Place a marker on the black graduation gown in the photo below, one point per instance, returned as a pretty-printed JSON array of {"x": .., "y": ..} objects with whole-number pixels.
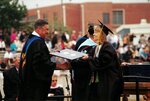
[
  {"x": 109, "y": 73},
  {"x": 37, "y": 72},
  {"x": 11, "y": 84},
  {"x": 81, "y": 74}
]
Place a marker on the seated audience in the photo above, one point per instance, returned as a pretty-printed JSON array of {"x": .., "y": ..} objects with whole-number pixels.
[
  {"x": 56, "y": 89},
  {"x": 11, "y": 81}
]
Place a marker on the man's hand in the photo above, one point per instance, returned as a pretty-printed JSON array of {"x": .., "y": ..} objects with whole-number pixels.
[
  {"x": 85, "y": 57},
  {"x": 63, "y": 66}
]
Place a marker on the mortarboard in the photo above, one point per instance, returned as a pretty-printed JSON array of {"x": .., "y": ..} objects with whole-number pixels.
[
  {"x": 105, "y": 29},
  {"x": 91, "y": 28}
]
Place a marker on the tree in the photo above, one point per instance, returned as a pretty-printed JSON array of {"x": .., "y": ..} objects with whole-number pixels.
[{"x": 11, "y": 14}]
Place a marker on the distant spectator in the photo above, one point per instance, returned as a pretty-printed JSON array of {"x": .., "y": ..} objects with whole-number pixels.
[
  {"x": 128, "y": 54},
  {"x": 11, "y": 80},
  {"x": 56, "y": 89},
  {"x": 54, "y": 39},
  {"x": 148, "y": 42},
  {"x": 114, "y": 40},
  {"x": 13, "y": 47},
  {"x": 18, "y": 44},
  {"x": 64, "y": 38},
  {"x": 2, "y": 64},
  {"x": 125, "y": 40},
  {"x": 142, "y": 39},
  {"x": 131, "y": 37},
  {"x": 73, "y": 35},
  {"x": 22, "y": 36},
  {"x": 7, "y": 39},
  {"x": 13, "y": 35},
  {"x": 8, "y": 56},
  {"x": 60, "y": 43},
  {"x": 144, "y": 54},
  {"x": 67, "y": 36},
  {"x": 2, "y": 45}
]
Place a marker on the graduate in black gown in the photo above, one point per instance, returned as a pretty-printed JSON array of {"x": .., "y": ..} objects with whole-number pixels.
[
  {"x": 36, "y": 68},
  {"x": 81, "y": 70},
  {"x": 106, "y": 81}
]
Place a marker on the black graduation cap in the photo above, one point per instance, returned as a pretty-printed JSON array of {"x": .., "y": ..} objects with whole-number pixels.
[
  {"x": 91, "y": 28},
  {"x": 105, "y": 29}
]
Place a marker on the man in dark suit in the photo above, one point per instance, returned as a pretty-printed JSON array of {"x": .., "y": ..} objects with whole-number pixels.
[
  {"x": 11, "y": 81},
  {"x": 36, "y": 68}
]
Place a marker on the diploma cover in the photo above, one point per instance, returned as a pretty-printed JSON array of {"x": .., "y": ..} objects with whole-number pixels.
[{"x": 68, "y": 54}]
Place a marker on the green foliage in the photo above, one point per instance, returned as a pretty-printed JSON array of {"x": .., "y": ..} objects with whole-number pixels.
[
  {"x": 11, "y": 14},
  {"x": 58, "y": 26}
]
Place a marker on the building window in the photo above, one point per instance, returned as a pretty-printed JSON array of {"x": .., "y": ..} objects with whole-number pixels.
[
  {"x": 118, "y": 17},
  {"x": 106, "y": 18}
]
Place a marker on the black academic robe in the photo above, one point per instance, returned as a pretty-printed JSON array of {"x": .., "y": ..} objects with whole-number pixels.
[
  {"x": 81, "y": 74},
  {"x": 11, "y": 84},
  {"x": 109, "y": 75},
  {"x": 36, "y": 74},
  {"x": 80, "y": 41}
]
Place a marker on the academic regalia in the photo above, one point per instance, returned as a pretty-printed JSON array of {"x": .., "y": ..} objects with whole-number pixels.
[
  {"x": 80, "y": 41},
  {"x": 81, "y": 72},
  {"x": 106, "y": 80},
  {"x": 107, "y": 84},
  {"x": 35, "y": 70},
  {"x": 108, "y": 76},
  {"x": 81, "y": 77}
]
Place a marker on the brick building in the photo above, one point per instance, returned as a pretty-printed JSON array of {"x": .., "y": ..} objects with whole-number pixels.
[{"x": 77, "y": 16}]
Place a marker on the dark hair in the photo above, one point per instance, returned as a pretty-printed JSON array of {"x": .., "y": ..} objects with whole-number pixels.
[
  {"x": 40, "y": 23},
  {"x": 91, "y": 29}
]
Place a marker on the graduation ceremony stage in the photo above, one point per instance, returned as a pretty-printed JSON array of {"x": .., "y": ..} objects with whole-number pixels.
[{"x": 136, "y": 81}]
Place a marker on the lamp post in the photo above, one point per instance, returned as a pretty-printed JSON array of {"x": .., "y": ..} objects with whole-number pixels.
[
  {"x": 38, "y": 12},
  {"x": 82, "y": 15},
  {"x": 63, "y": 13}
]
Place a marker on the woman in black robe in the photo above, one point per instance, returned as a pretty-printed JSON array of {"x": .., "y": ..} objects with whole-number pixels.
[{"x": 106, "y": 81}]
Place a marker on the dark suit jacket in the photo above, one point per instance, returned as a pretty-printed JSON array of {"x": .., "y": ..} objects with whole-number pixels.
[{"x": 11, "y": 82}]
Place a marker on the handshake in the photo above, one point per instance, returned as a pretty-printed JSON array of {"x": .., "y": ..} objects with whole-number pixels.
[{"x": 61, "y": 63}]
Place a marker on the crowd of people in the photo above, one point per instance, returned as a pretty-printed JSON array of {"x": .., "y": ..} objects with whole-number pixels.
[{"x": 105, "y": 51}]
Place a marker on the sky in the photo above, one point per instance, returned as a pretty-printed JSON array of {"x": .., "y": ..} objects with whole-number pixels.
[{"x": 41, "y": 3}]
